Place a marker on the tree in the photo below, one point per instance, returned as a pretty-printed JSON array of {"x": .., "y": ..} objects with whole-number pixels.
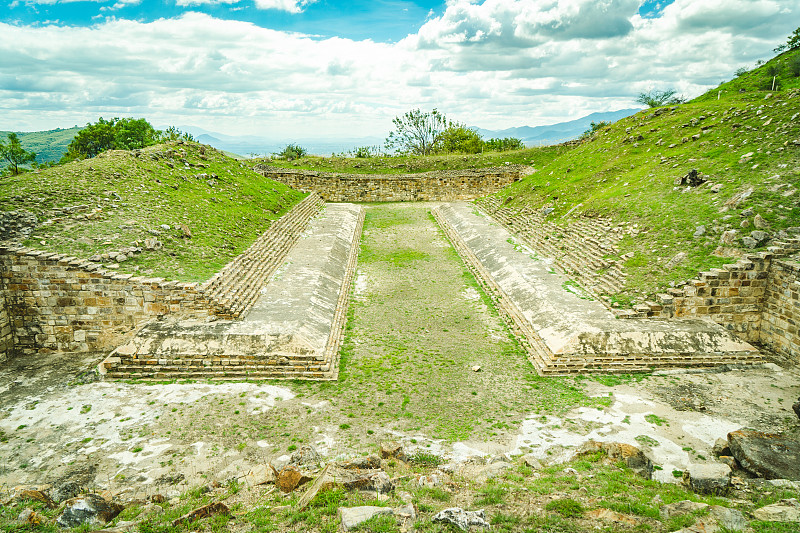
[
  {"x": 291, "y": 152},
  {"x": 656, "y": 98},
  {"x": 594, "y": 127},
  {"x": 15, "y": 154},
  {"x": 458, "y": 137},
  {"x": 417, "y": 132},
  {"x": 174, "y": 134},
  {"x": 794, "y": 40},
  {"x": 114, "y": 134}
]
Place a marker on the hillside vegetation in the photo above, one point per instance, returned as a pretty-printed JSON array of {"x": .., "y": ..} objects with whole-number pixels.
[
  {"x": 746, "y": 145},
  {"x": 48, "y": 146},
  {"x": 198, "y": 207}
]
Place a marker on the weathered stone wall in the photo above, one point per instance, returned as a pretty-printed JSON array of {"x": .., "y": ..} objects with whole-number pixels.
[
  {"x": 6, "y": 334},
  {"x": 61, "y": 303},
  {"x": 234, "y": 289},
  {"x": 429, "y": 186},
  {"x": 58, "y": 303},
  {"x": 780, "y": 322},
  {"x": 579, "y": 248}
]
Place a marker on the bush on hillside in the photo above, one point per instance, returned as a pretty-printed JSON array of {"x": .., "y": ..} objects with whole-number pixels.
[
  {"x": 594, "y": 127},
  {"x": 658, "y": 98},
  {"x": 458, "y": 138},
  {"x": 291, "y": 151},
  {"x": 15, "y": 154},
  {"x": 114, "y": 134},
  {"x": 505, "y": 144}
]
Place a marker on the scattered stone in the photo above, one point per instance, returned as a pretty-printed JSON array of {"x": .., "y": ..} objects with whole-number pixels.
[
  {"x": 760, "y": 223},
  {"x": 36, "y": 495},
  {"x": 165, "y": 227},
  {"x": 202, "y": 512},
  {"x": 749, "y": 242},
  {"x": 462, "y": 519},
  {"x": 796, "y": 408},
  {"x": 259, "y": 475},
  {"x": 607, "y": 515},
  {"x": 714, "y": 478},
  {"x": 370, "y": 462},
  {"x": 290, "y": 478},
  {"x": 716, "y": 188},
  {"x": 482, "y": 473},
  {"x": 476, "y": 368},
  {"x": 531, "y": 462},
  {"x": 728, "y": 460},
  {"x": 680, "y": 508},
  {"x": 29, "y": 517},
  {"x": 87, "y": 509},
  {"x": 279, "y": 462},
  {"x": 691, "y": 178},
  {"x": 393, "y": 450},
  {"x": 699, "y": 231},
  {"x": 375, "y": 482},
  {"x": 728, "y": 237},
  {"x": 185, "y": 231},
  {"x": 676, "y": 260},
  {"x": 353, "y": 516},
  {"x": 783, "y": 511},
  {"x": 306, "y": 457},
  {"x": 721, "y": 448},
  {"x": 769, "y": 455},
  {"x": 736, "y": 199},
  {"x": 747, "y": 212},
  {"x": 633, "y": 457},
  {"x": 761, "y": 237},
  {"x": 151, "y": 243}
]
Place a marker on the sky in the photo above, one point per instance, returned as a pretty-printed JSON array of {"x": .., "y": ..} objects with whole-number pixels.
[{"x": 295, "y": 69}]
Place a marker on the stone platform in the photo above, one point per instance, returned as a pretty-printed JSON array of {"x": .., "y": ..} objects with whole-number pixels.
[
  {"x": 564, "y": 330},
  {"x": 293, "y": 330}
]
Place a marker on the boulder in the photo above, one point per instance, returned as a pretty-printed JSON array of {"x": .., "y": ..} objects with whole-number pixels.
[
  {"x": 728, "y": 237},
  {"x": 87, "y": 509},
  {"x": 721, "y": 448},
  {"x": 760, "y": 223},
  {"x": 353, "y": 516},
  {"x": 714, "y": 478},
  {"x": 393, "y": 450},
  {"x": 761, "y": 237},
  {"x": 796, "y": 408},
  {"x": 259, "y": 475},
  {"x": 290, "y": 478},
  {"x": 36, "y": 495},
  {"x": 462, "y": 519},
  {"x": 29, "y": 517},
  {"x": 202, "y": 512},
  {"x": 531, "y": 462},
  {"x": 370, "y": 462},
  {"x": 680, "y": 508},
  {"x": 726, "y": 518},
  {"x": 633, "y": 457},
  {"x": 768, "y": 455},
  {"x": 783, "y": 511}
]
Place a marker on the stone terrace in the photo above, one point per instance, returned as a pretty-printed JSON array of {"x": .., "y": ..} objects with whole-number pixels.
[
  {"x": 293, "y": 330},
  {"x": 565, "y": 330}
]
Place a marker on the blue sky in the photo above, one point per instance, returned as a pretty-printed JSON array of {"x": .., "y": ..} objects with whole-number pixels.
[{"x": 325, "y": 68}]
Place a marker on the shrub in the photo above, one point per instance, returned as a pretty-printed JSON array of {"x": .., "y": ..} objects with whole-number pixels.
[
  {"x": 291, "y": 152},
  {"x": 794, "y": 66},
  {"x": 503, "y": 145}
]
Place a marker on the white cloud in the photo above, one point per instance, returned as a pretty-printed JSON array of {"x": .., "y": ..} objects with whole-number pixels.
[
  {"x": 292, "y": 6},
  {"x": 494, "y": 64},
  {"x": 185, "y": 3}
]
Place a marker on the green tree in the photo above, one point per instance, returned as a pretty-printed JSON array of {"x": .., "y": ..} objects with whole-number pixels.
[
  {"x": 15, "y": 154},
  {"x": 459, "y": 138},
  {"x": 594, "y": 127},
  {"x": 793, "y": 43},
  {"x": 291, "y": 152},
  {"x": 174, "y": 134},
  {"x": 657, "y": 98},
  {"x": 417, "y": 132},
  {"x": 114, "y": 134}
]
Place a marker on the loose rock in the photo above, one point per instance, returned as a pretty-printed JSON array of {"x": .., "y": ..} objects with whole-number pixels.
[
  {"x": 680, "y": 508},
  {"x": 203, "y": 512},
  {"x": 462, "y": 519},
  {"x": 783, "y": 511},
  {"x": 353, "y": 516},
  {"x": 393, "y": 450},
  {"x": 290, "y": 478},
  {"x": 769, "y": 455},
  {"x": 88, "y": 509},
  {"x": 712, "y": 478}
]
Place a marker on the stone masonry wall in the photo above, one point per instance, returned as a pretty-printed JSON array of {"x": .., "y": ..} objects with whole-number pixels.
[
  {"x": 58, "y": 303},
  {"x": 430, "y": 186},
  {"x": 579, "y": 248},
  {"x": 780, "y": 322},
  {"x": 6, "y": 335}
]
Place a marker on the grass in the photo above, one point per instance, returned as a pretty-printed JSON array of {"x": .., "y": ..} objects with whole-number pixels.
[
  {"x": 119, "y": 199},
  {"x": 631, "y": 180}
]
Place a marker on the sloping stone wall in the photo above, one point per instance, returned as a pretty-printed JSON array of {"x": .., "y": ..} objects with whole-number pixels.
[
  {"x": 59, "y": 303},
  {"x": 579, "y": 249},
  {"x": 444, "y": 186},
  {"x": 780, "y": 322},
  {"x": 6, "y": 335}
]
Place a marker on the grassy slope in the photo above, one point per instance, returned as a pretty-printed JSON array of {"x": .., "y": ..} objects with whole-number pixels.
[
  {"x": 128, "y": 198},
  {"x": 47, "y": 145},
  {"x": 407, "y": 164},
  {"x": 633, "y": 180}
]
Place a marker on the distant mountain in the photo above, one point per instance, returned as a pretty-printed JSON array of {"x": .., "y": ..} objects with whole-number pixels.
[
  {"x": 47, "y": 145},
  {"x": 556, "y": 133}
]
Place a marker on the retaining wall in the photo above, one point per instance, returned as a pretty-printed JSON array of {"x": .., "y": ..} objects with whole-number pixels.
[
  {"x": 6, "y": 335},
  {"x": 781, "y": 317},
  {"x": 59, "y": 303},
  {"x": 429, "y": 186},
  {"x": 579, "y": 248}
]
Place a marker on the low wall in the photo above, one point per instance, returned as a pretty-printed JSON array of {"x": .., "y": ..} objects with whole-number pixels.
[
  {"x": 6, "y": 335},
  {"x": 579, "y": 248},
  {"x": 780, "y": 321},
  {"x": 445, "y": 186},
  {"x": 60, "y": 303}
]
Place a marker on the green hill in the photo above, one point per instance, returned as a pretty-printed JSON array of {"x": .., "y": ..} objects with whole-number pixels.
[
  {"x": 47, "y": 145},
  {"x": 120, "y": 198},
  {"x": 741, "y": 138}
]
